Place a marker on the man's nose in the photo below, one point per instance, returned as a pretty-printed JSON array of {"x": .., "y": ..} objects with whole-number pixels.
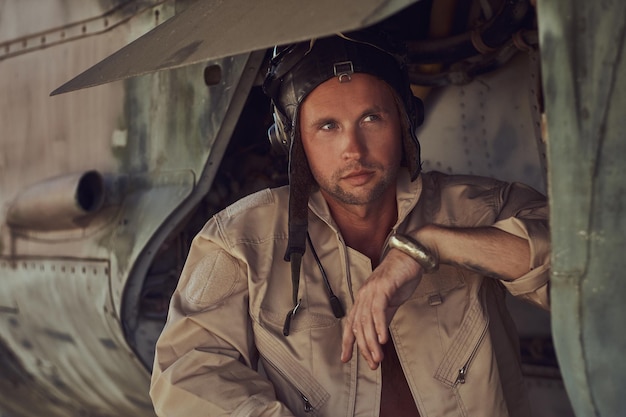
[{"x": 354, "y": 144}]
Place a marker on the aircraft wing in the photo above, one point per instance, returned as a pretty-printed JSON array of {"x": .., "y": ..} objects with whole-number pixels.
[{"x": 210, "y": 29}]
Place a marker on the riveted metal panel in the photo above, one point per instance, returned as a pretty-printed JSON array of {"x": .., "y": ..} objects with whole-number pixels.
[
  {"x": 489, "y": 126},
  {"x": 55, "y": 313}
]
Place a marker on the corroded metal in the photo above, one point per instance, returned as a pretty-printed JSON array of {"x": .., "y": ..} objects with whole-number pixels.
[{"x": 583, "y": 50}]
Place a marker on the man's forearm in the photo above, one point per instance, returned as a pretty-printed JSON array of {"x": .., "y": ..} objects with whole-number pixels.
[{"x": 486, "y": 250}]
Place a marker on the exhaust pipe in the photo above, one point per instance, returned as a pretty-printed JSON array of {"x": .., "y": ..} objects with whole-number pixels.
[{"x": 65, "y": 202}]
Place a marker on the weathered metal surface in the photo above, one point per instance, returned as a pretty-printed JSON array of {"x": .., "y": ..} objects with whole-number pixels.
[
  {"x": 58, "y": 318},
  {"x": 43, "y": 322},
  {"x": 157, "y": 141},
  {"x": 583, "y": 52},
  {"x": 34, "y": 32},
  {"x": 492, "y": 128},
  {"x": 62, "y": 343},
  {"x": 210, "y": 29}
]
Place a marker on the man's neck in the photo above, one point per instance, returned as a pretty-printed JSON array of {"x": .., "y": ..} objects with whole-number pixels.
[{"x": 365, "y": 227}]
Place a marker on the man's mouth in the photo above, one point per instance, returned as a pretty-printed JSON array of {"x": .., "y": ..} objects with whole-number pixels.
[{"x": 359, "y": 177}]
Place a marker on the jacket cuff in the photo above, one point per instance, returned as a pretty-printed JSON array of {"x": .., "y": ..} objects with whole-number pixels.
[
  {"x": 534, "y": 285},
  {"x": 537, "y": 234}
]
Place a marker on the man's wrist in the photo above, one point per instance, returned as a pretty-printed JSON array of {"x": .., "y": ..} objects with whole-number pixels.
[{"x": 406, "y": 244}]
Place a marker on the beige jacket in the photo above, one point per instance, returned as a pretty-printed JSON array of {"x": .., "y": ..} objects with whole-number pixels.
[{"x": 455, "y": 340}]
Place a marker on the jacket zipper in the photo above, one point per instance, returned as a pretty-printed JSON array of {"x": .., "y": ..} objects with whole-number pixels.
[
  {"x": 308, "y": 407},
  {"x": 460, "y": 379},
  {"x": 307, "y": 404}
]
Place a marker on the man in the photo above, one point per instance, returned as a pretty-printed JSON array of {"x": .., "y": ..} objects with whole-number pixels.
[{"x": 419, "y": 261}]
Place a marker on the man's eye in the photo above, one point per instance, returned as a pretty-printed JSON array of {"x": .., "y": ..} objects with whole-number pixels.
[
  {"x": 372, "y": 118},
  {"x": 328, "y": 126}
]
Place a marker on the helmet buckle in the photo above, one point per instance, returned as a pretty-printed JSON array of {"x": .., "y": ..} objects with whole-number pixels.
[{"x": 343, "y": 71}]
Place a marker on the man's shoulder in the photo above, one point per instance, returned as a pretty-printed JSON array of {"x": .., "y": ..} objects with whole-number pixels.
[
  {"x": 261, "y": 202},
  {"x": 260, "y": 216}
]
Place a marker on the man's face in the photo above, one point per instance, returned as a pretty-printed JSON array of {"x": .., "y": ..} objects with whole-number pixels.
[{"x": 351, "y": 134}]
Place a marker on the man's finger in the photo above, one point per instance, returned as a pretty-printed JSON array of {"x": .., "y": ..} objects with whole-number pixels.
[
  {"x": 361, "y": 342},
  {"x": 381, "y": 321},
  {"x": 370, "y": 348},
  {"x": 347, "y": 341}
]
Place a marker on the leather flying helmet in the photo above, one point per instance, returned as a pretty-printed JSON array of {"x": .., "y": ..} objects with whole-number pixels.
[{"x": 297, "y": 69}]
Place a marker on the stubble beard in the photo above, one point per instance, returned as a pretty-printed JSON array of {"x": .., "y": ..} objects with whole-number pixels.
[{"x": 333, "y": 188}]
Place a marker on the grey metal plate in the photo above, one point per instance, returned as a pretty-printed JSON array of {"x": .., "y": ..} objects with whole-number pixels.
[
  {"x": 210, "y": 29},
  {"x": 584, "y": 78}
]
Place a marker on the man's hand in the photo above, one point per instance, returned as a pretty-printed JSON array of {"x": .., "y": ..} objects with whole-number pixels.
[{"x": 390, "y": 285}]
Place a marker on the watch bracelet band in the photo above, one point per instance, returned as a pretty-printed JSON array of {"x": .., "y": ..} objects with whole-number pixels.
[{"x": 414, "y": 249}]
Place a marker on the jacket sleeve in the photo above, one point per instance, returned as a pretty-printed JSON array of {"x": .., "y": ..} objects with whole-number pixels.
[
  {"x": 205, "y": 359},
  {"x": 524, "y": 213}
]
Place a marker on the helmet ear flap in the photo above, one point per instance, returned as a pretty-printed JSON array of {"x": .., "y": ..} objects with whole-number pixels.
[
  {"x": 419, "y": 111},
  {"x": 278, "y": 133},
  {"x": 413, "y": 109}
]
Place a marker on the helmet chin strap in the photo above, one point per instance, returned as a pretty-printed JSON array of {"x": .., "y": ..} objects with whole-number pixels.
[{"x": 300, "y": 186}]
